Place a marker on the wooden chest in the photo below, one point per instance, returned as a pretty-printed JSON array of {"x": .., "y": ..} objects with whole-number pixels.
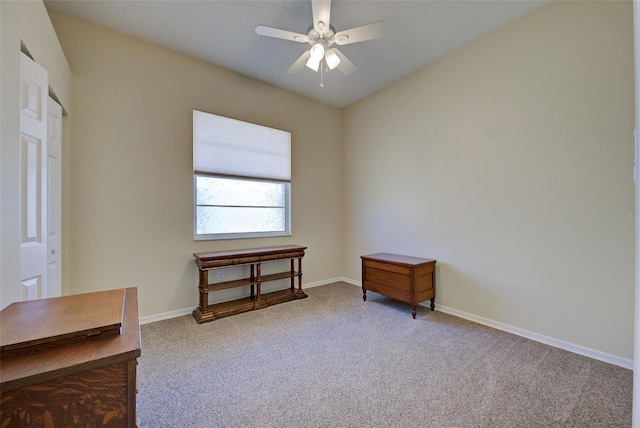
[{"x": 408, "y": 279}]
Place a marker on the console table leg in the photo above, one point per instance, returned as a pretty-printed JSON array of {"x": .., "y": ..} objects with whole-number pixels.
[
  {"x": 433, "y": 304},
  {"x": 204, "y": 295},
  {"x": 258, "y": 280},
  {"x": 299, "y": 274},
  {"x": 253, "y": 280},
  {"x": 292, "y": 278},
  {"x": 364, "y": 294},
  {"x": 413, "y": 312}
]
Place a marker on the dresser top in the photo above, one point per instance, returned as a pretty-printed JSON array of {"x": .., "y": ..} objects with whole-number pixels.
[{"x": 397, "y": 259}]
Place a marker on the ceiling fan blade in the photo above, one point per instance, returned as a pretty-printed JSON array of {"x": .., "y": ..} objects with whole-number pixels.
[
  {"x": 297, "y": 66},
  {"x": 345, "y": 66},
  {"x": 281, "y": 34},
  {"x": 361, "y": 34},
  {"x": 321, "y": 15}
]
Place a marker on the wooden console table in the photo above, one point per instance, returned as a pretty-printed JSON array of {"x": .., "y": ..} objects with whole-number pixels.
[
  {"x": 408, "y": 279},
  {"x": 70, "y": 361},
  {"x": 257, "y": 300}
]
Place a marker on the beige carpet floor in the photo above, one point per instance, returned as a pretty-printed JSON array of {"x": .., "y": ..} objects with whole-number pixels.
[{"x": 333, "y": 360}]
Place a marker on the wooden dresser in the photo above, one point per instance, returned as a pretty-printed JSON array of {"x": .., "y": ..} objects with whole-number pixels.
[
  {"x": 70, "y": 361},
  {"x": 253, "y": 257},
  {"x": 408, "y": 279}
]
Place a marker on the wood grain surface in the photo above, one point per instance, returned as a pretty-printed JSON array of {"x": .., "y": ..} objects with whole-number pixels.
[{"x": 93, "y": 398}]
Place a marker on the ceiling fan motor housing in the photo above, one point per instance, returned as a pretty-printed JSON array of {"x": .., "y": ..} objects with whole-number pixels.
[{"x": 315, "y": 36}]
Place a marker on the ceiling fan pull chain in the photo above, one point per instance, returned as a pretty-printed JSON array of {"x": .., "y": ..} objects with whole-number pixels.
[{"x": 321, "y": 76}]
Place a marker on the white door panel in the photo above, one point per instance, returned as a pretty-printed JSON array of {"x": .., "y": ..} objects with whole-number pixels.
[
  {"x": 31, "y": 288},
  {"x": 54, "y": 198},
  {"x": 34, "y": 89}
]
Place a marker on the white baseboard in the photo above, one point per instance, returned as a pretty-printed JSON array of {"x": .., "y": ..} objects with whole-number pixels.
[
  {"x": 323, "y": 282},
  {"x": 187, "y": 311},
  {"x": 351, "y": 281},
  {"x": 166, "y": 315},
  {"x": 557, "y": 343}
]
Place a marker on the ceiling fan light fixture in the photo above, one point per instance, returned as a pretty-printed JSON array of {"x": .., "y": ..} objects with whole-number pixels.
[
  {"x": 317, "y": 52},
  {"x": 313, "y": 63},
  {"x": 332, "y": 59}
]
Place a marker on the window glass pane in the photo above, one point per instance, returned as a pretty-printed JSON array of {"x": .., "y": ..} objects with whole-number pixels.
[
  {"x": 224, "y": 191},
  {"x": 212, "y": 220}
]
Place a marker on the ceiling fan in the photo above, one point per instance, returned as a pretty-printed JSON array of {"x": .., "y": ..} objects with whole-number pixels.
[{"x": 321, "y": 36}]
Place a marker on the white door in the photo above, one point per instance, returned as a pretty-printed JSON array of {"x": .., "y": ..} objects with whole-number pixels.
[
  {"x": 54, "y": 198},
  {"x": 34, "y": 90}
]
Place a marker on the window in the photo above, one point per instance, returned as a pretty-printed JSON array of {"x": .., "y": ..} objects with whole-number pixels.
[{"x": 241, "y": 178}]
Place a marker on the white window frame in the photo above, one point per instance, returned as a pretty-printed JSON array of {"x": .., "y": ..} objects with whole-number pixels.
[{"x": 225, "y": 175}]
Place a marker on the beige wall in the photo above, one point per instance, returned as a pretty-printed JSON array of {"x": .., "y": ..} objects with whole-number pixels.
[
  {"x": 510, "y": 162},
  {"x": 131, "y": 216},
  {"x": 25, "y": 22}
]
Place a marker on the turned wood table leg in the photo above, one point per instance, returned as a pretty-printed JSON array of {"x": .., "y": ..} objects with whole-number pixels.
[
  {"x": 433, "y": 304},
  {"x": 293, "y": 279},
  {"x": 204, "y": 295},
  {"x": 299, "y": 274},
  {"x": 413, "y": 312},
  {"x": 364, "y": 277},
  {"x": 258, "y": 282},
  {"x": 253, "y": 281}
]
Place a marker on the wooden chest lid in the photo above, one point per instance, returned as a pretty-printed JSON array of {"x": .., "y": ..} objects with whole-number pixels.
[
  {"x": 48, "y": 322},
  {"x": 397, "y": 259}
]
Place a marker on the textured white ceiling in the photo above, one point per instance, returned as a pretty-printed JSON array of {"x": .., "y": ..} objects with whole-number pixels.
[{"x": 221, "y": 32}]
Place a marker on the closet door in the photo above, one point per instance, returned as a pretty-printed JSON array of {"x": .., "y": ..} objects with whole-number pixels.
[
  {"x": 34, "y": 90},
  {"x": 54, "y": 198}
]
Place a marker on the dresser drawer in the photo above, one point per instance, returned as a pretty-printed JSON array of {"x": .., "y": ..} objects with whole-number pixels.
[
  {"x": 387, "y": 267},
  {"x": 388, "y": 278}
]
